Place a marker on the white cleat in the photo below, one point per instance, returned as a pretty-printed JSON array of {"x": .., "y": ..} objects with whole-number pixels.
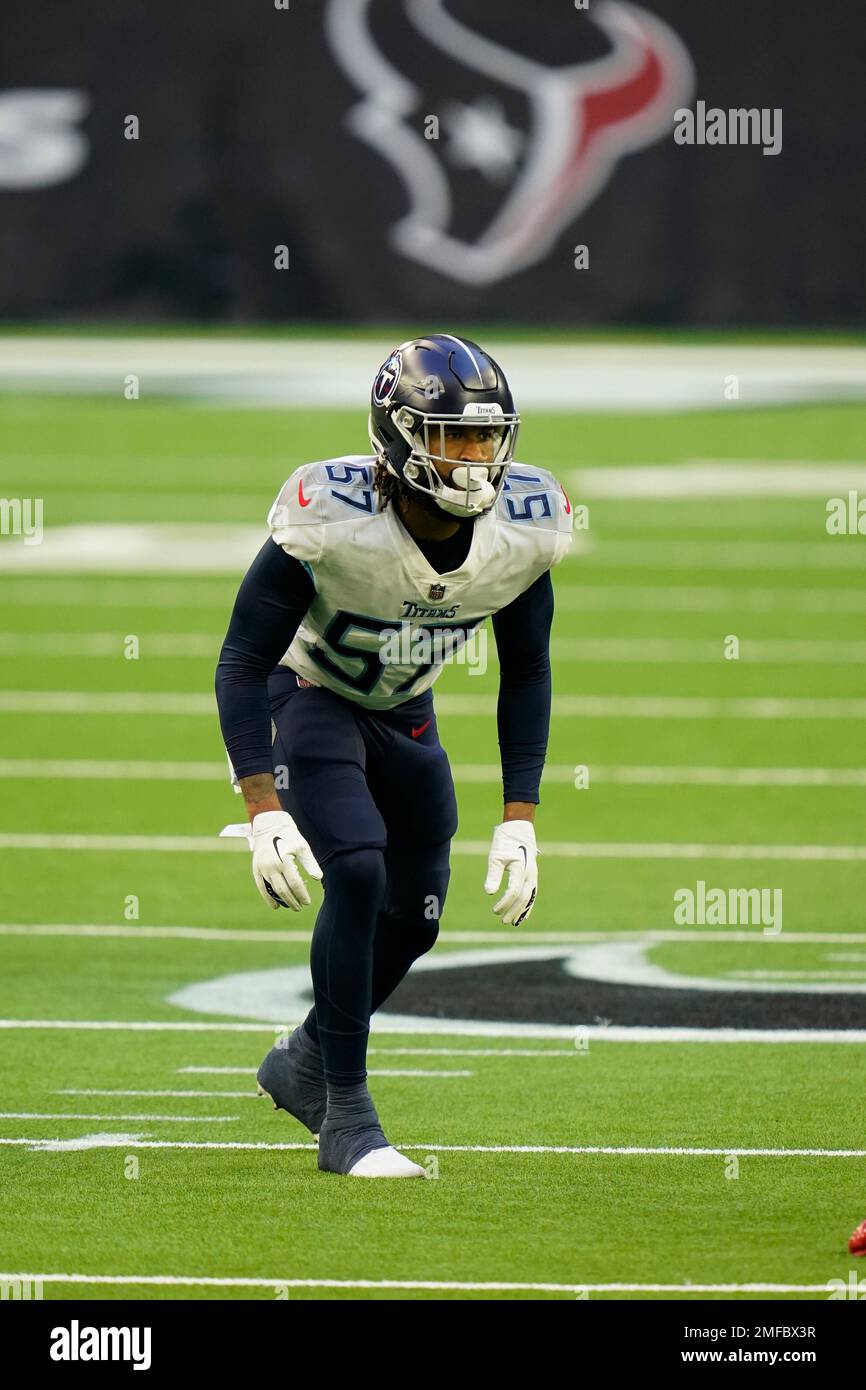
[{"x": 386, "y": 1163}]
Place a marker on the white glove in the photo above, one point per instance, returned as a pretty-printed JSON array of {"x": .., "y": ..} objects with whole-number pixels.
[
  {"x": 276, "y": 843},
  {"x": 514, "y": 849}
]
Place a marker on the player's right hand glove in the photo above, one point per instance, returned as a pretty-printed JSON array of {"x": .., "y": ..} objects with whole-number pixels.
[
  {"x": 513, "y": 849},
  {"x": 276, "y": 844}
]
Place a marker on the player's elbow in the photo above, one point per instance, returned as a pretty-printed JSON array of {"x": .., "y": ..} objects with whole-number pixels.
[{"x": 236, "y": 669}]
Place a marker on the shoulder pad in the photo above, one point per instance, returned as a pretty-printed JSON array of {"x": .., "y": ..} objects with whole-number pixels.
[
  {"x": 535, "y": 501},
  {"x": 317, "y": 495}
]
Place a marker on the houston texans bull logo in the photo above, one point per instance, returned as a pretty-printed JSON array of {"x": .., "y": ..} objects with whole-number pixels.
[{"x": 581, "y": 119}]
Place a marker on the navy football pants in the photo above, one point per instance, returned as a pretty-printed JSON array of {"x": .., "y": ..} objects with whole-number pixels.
[{"x": 372, "y": 793}]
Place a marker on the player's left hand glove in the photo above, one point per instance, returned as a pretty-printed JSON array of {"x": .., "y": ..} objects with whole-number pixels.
[
  {"x": 278, "y": 847},
  {"x": 514, "y": 849}
]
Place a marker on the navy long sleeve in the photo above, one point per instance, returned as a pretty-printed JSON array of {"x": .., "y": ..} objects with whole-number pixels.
[
  {"x": 522, "y": 631},
  {"x": 272, "y": 600}
]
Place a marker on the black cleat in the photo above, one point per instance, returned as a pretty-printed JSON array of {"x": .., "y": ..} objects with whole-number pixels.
[{"x": 293, "y": 1077}]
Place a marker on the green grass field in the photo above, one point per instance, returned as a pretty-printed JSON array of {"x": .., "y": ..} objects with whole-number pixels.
[{"x": 122, "y": 1165}]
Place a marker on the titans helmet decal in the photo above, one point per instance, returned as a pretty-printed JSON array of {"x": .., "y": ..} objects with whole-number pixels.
[{"x": 387, "y": 378}]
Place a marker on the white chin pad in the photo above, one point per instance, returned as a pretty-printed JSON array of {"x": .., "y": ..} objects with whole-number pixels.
[
  {"x": 462, "y": 503},
  {"x": 474, "y": 477}
]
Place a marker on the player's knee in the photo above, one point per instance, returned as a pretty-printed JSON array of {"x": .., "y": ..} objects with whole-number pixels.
[
  {"x": 415, "y": 914},
  {"x": 359, "y": 874}
]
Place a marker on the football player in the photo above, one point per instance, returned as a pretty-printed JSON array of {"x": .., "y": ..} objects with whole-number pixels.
[{"x": 421, "y": 541}]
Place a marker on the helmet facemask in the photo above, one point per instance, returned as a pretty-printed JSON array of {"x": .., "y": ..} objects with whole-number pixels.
[{"x": 472, "y": 487}]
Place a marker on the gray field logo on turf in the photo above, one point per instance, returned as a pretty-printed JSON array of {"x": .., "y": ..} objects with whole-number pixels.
[
  {"x": 22, "y": 516},
  {"x": 729, "y": 907},
  {"x": 604, "y": 986}
]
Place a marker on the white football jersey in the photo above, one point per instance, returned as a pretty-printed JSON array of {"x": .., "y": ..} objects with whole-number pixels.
[{"x": 383, "y": 621}]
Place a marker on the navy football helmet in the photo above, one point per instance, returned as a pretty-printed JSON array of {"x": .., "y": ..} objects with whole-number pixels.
[{"x": 438, "y": 383}]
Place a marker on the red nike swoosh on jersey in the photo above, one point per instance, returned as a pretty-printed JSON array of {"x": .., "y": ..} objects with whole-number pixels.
[
  {"x": 567, "y": 503},
  {"x": 304, "y": 501},
  {"x": 417, "y": 732}
]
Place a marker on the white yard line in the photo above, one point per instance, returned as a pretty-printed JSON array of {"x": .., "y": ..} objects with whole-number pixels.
[
  {"x": 148, "y": 593},
  {"x": 609, "y": 650},
  {"x": 207, "y": 844},
  {"x": 721, "y": 478},
  {"x": 442, "y": 1028},
  {"x": 101, "y": 702},
  {"x": 162, "y": 1119},
  {"x": 720, "y": 776},
  {"x": 142, "y": 592},
  {"x": 696, "y": 652},
  {"x": 134, "y": 1026},
  {"x": 668, "y": 707},
  {"x": 156, "y": 844},
  {"x": 199, "y": 645},
  {"x": 706, "y": 598},
  {"x": 326, "y": 373},
  {"x": 113, "y": 770},
  {"x": 675, "y": 707},
  {"x": 411, "y": 1071},
  {"x": 574, "y": 1150},
  {"x": 234, "y": 1095},
  {"x": 112, "y": 1140},
  {"x": 602, "y": 850},
  {"x": 407, "y": 1052},
  {"x": 189, "y": 548},
  {"x": 109, "y": 770},
  {"x": 827, "y": 553},
  {"x": 446, "y": 938},
  {"x": 245, "y": 1282}
]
